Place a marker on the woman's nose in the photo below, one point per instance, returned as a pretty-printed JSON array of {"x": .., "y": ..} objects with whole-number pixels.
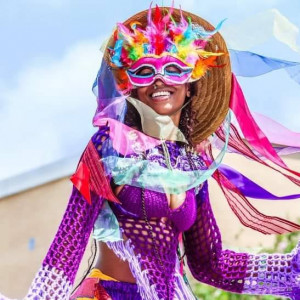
[{"x": 158, "y": 82}]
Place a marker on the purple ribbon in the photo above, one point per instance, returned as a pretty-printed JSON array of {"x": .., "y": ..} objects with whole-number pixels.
[{"x": 249, "y": 188}]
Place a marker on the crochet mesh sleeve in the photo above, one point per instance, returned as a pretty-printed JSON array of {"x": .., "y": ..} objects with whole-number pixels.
[
  {"x": 56, "y": 276},
  {"x": 268, "y": 274}
]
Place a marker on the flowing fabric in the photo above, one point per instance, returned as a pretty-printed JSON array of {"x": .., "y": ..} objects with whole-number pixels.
[
  {"x": 250, "y": 188},
  {"x": 249, "y": 64},
  {"x": 277, "y": 133},
  {"x": 250, "y": 129},
  {"x": 137, "y": 171},
  {"x": 261, "y": 28},
  {"x": 248, "y": 215}
]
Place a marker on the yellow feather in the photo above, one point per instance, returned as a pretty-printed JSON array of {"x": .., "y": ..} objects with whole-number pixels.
[
  {"x": 204, "y": 53},
  {"x": 199, "y": 69}
]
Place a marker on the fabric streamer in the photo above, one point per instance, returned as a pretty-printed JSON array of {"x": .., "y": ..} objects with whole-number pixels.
[
  {"x": 260, "y": 28},
  {"x": 287, "y": 150},
  {"x": 250, "y": 188},
  {"x": 136, "y": 171},
  {"x": 106, "y": 227},
  {"x": 248, "y": 215},
  {"x": 251, "y": 131},
  {"x": 249, "y": 64},
  {"x": 127, "y": 140},
  {"x": 277, "y": 133}
]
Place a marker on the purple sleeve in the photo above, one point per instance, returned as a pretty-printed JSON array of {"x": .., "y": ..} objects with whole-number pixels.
[
  {"x": 269, "y": 274},
  {"x": 56, "y": 276},
  {"x": 206, "y": 259},
  {"x": 68, "y": 246}
]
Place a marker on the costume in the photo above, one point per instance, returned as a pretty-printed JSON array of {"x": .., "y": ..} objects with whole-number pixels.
[{"x": 157, "y": 159}]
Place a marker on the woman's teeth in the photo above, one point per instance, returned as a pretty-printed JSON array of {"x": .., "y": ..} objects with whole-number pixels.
[{"x": 161, "y": 94}]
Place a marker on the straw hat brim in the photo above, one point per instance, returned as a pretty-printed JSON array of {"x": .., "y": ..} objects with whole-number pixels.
[{"x": 210, "y": 102}]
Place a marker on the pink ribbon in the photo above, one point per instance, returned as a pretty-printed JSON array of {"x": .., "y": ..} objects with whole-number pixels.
[
  {"x": 127, "y": 140},
  {"x": 250, "y": 129},
  {"x": 277, "y": 133}
]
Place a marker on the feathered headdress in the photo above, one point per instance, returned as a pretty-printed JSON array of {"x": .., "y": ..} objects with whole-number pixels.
[{"x": 163, "y": 35}]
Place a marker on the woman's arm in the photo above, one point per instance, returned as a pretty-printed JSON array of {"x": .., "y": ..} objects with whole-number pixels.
[
  {"x": 274, "y": 274},
  {"x": 55, "y": 278}
]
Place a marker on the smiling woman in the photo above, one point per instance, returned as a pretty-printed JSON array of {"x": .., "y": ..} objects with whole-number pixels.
[
  {"x": 165, "y": 99},
  {"x": 164, "y": 94}
]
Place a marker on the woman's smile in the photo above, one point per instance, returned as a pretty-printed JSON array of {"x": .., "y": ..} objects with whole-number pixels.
[
  {"x": 164, "y": 99},
  {"x": 161, "y": 95}
]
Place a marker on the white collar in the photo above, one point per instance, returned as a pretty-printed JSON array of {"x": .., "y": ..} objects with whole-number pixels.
[{"x": 156, "y": 125}]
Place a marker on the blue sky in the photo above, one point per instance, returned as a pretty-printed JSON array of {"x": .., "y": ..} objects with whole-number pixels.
[{"x": 50, "y": 56}]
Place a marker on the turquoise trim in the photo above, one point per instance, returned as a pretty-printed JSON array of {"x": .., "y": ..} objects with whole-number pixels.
[
  {"x": 106, "y": 227},
  {"x": 150, "y": 175}
]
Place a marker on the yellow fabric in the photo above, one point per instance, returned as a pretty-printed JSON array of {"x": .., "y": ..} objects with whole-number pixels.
[{"x": 96, "y": 273}]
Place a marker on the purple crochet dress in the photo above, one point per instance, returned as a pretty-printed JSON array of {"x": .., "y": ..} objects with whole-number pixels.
[
  {"x": 236, "y": 272},
  {"x": 149, "y": 244}
]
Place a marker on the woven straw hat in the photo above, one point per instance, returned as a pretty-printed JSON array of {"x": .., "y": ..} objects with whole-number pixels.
[{"x": 210, "y": 102}]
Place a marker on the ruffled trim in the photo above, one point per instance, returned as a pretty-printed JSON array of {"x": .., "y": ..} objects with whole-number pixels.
[
  {"x": 49, "y": 283},
  {"x": 125, "y": 251}
]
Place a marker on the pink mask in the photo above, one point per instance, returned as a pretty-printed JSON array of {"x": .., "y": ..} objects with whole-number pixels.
[{"x": 167, "y": 68}]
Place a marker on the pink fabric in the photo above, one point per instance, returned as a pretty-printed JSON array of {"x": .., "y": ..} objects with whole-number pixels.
[
  {"x": 277, "y": 133},
  {"x": 250, "y": 129},
  {"x": 127, "y": 140}
]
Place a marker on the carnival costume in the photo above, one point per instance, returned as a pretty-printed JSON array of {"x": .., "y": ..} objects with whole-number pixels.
[{"x": 151, "y": 157}]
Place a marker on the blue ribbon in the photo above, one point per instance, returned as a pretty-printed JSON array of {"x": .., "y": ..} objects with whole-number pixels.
[{"x": 249, "y": 64}]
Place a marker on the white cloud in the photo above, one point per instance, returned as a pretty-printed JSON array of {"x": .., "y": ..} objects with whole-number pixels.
[{"x": 47, "y": 115}]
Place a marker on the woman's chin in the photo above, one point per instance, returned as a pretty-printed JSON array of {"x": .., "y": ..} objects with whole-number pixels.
[{"x": 162, "y": 108}]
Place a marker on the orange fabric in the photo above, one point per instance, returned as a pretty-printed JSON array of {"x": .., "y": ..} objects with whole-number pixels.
[
  {"x": 91, "y": 289},
  {"x": 96, "y": 273}
]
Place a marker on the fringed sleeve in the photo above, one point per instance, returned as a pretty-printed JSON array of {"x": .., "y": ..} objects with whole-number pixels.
[
  {"x": 268, "y": 274},
  {"x": 55, "y": 278}
]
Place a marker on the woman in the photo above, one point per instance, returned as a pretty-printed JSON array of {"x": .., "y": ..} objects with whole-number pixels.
[{"x": 163, "y": 89}]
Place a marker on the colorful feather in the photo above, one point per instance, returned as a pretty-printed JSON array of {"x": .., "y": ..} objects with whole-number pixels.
[
  {"x": 162, "y": 34},
  {"x": 166, "y": 19}
]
